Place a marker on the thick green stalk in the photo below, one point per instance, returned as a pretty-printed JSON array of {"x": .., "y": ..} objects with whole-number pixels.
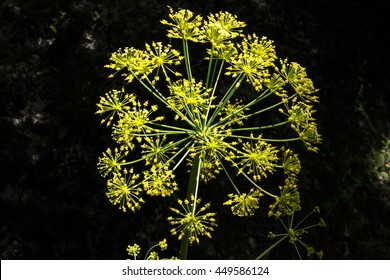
[{"x": 192, "y": 190}]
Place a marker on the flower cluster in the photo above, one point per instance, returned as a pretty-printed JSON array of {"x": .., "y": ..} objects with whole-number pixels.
[
  {"x": 204, "y": 127},
  {"x": 195, "y": 223},
  {"x": 135, "y": 250},
  {"x": 295, "y": 234},
  {"x": 244, "y": 204}
]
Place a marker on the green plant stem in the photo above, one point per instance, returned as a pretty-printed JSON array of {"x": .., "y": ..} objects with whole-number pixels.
[
  {"x": 265, "y": 94},
  {"x": 213, "y": 93},
  {"x": 209, "y": 68},
  {"x": 192, "y": 190},
  {"x": 230, "y": 179},
  {"x": 187, "y": 59},
  {"x": 162, "y": 98},
  {"x": 257, "y": 186},
  {"x": 266, "y": 139},
  {"x": 226, "y": 98},
  {"x": 260, "y": 127},
  {"x": 269, "y": 249}
]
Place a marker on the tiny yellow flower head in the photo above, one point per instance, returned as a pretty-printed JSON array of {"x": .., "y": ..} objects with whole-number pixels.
[
  {"x": 262, "y": 48},
  {"x": 135, "y": 123},
  {"x": 322, "y": 223},
  {"x": 225, "y": 51},
  {"x": 288, "y": 202},
  {"x": 253, "y": 61},
  {"x": 111, "y": 162},
  {"x": 245, "y": 204},
  {"x": 235, "y": 112},
  {"x": 133, "y": 250},
  {"x": 114, "y": 102},
  {"x": 153, "y": 256},
  {"x": 257, "y": 158},
  {"x": 296, "y": 76},
  {"x": 155, "y": 151},
  {"x": 185, "y": 25},
  {"x": 185, "y": 94},
  {"x": 163, "y": 245},
  {"x": 309, "y": 135},
  {"x": 251, "y": 68},
  {"x": 300, "y": 113},
  {"x": 195, "y": 222},
  {"x": 291, "y": 163},
  {"x": 123, "y": 190},
  {"x": 162, "y": 56},
  {"x": 159, "y": 181},
  {"x": 136, "y": 62},
  {"x": 210, "y": 168},
  {"x": 222, "y": 27},
  {"x": 120, "y": 59},
  {"x": 212, "y": 143}
]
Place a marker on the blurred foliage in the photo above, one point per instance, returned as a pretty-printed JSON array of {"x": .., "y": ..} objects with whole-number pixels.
[{"x": 53, "y": 203}]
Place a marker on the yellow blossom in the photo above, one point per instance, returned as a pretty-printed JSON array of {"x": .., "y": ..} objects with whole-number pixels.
[
  {"x": 123, "y": 190},
  {"x": 257, "y": 158},
  {"x": 133, "y": 250},
  {"x": 111, "y": 162},
  {"x": 244, "y": 204},
  {"x": 289, "y": 200},
  {"x": 222, "y": 27},
  {"x": 192, "y": 221},
  {"x": 185, "y": 25},
  {"x": 115, "y": 102},
  {"x": 159, "y": 181}
]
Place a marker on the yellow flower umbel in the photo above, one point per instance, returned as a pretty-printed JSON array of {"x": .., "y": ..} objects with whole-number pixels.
[
  {"x": 192, "y": 220},
  {"x": 257, "y": 158},
  {"x": 244, "y": 204},
  {"x": 133, "y": 250},
  {"x": 185, "y": 25},
  {"x": 123, "y": 190},
  {"x": 295, "y": 234},
  {"x": 215, "y": 125},
  {"x": 289, "y": 200}
]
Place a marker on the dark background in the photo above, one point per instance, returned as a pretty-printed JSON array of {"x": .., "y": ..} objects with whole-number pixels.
[{"x": 53, "y": 203}]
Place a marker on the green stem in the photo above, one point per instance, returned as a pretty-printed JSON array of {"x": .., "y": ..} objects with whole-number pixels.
[
  {"x": 269, "y": 249},
  {"x": 257, "y": 186},
  {"x": 192, "y": 190},
  {"x": 261, "y": 127},
  {"x": 226, "y": 98},
  {"x": 213, "y": 93},
  {"x": 152, "y": 90},
  {"x": 162, "y": 98},
  {"x": 282, "y": 140},
  {"x": 265, "y": 139},
  {"x": 265, "y": 94},
  {"x": 187, "y": 59},
  {"x": 214, "y": 70},
  {"x": 209, "y": 68},
  {"x": 176, "y": 128},
  {"x": 230, "y": 179}
]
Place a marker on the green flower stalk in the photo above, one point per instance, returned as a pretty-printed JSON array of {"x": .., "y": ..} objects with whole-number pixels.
[{"x": 206, "y": 128}]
